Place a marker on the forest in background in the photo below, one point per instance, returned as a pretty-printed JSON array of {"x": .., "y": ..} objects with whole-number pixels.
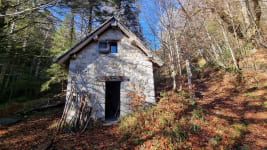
[
  {"x": 33, "y": 33},
  {"x": 194, "y": 34}
]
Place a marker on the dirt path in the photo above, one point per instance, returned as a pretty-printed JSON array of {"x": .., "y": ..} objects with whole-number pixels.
[
  {"x": 35, "y": 130},
  {"x": 29, "y": 132},
  {"x": 242, "y": 105}
]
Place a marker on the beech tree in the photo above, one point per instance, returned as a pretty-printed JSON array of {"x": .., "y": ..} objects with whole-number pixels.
[{"x": 215, "y": 32}]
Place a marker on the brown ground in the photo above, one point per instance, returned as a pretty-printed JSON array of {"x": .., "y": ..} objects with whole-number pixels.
[
  {"x": 238, "y": 103},
  {"x": 236, "y": 112}
]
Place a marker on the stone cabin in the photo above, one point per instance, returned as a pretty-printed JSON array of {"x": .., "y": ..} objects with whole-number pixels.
[{"x": 110, "y": 63}]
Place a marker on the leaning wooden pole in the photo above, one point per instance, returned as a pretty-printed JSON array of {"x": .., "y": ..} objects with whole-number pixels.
[{"x": 78, "y": 101}]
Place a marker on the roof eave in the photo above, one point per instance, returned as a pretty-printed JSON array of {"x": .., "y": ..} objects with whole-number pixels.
[
  {"x": 65, "y": 56},
  {"x": 57, "y": 59}
]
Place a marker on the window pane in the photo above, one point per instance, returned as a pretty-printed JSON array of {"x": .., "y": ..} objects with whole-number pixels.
[
  {"x": 103, "y": 45},
  {"x": 113, "y": 48}
]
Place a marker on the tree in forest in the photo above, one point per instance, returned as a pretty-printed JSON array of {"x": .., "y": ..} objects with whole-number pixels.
[
  {"x": 62, "y": 40},
  {"x": 25, "y": 38},
  {"x": 220, "y": 33},
  {"x": 88, "y": 10},
  {"x": 128, "y": 12},
  {"x": 92, "y": 13},
  {"x": 26, "y": 29}
]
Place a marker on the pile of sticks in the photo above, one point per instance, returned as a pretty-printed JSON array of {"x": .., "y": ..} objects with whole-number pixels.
[{"x": 79, "y": 102}]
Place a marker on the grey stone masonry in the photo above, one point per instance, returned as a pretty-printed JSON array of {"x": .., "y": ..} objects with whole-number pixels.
[{"x": 129, "y": 62}]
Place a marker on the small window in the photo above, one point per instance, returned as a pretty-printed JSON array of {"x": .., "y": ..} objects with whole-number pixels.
[
  {"x": 103, "y": 45},
  {"x": 113, "y": 47}
]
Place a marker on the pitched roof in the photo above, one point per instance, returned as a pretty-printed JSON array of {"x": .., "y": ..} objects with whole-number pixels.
[{"x": 112, "y": 22}]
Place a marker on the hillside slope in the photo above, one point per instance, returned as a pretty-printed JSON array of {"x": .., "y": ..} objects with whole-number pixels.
[{"x": 230, "y": 113}]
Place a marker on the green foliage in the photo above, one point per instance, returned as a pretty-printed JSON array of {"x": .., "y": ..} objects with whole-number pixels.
[
  {"x": 197, "y": 113},
  {"x": 249, "y": 95},
  {"x": 264, "y": 105},
  {"x": 24, "y": 41},
  {"x": 194, "y": 129},
  {"x": 57, "y": 74},
  {"x": 164, "y": 95},
  {"x": 184, "y": 94},
  {"x": 31, "y": 40},
  {"x": 239, "y": 129},
  {"x": 215, "y": 140},
  {"x": 179, "y": 133},
  {"x": 61, "y": 42},
  {"x": 62, "y": 38}
]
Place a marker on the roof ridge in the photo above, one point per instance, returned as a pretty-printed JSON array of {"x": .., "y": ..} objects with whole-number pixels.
[{"x": 123, "y": 28}]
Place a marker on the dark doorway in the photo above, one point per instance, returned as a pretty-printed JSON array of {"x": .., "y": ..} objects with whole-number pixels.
[{"x": 112, "y": 106}]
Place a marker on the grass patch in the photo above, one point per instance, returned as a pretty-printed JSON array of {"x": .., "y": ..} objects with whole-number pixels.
[
  {"x": 239, "y": 128},
  {"x": 164, "y": 95},
  {"x": 249, "y": 95},
  {"x": 184, "y": 94},
  {"x": 249, "y": 104},
  {"x": 239, "y": 125},
  {"x": 179, "y": 133},
  {"x": 264, "y": 105},
  {"x": 197, "y": 113},
  {"x": 215, "y": 140},
  {"x": 194, "y": 129}
]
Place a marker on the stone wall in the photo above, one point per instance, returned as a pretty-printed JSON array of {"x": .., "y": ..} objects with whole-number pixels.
[{"x": 130, "y": 62}]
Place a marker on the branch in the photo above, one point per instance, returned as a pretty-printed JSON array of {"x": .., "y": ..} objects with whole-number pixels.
[
  {"x": 42, "y": 6},
  {"x": 183, "y": 9}
]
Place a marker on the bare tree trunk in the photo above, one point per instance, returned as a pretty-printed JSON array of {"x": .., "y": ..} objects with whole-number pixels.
[
  {"x": 90, "y": 15},
  {"x": 228, "y": 43},
  {"x": 188, "y": 70},
  {"x": 72, "y": 26},
  {"x": 173, "y": 72},
  {"x": 81, "y": 28},
  {"x": 171, "y": 57},
  {"x": 257, "y": 11},
  {"x": 245, "y": 13},
  {"x": 234, "y": 27},
  {"x": 263, "y": 20},
  {"x": 174, "y": 87},
  {"x": 259, "y": 39},
  {"x": 232, "y": 21},
  {"x": 178, "y": 61},
  {"x": 213, "y": 47},
  {"x": 39, "y": 59},
  {"x": 3, "y": 71},
  {"x": 7, "y": 59},
  {"x": 32, "y": 66},
  {"x": 23, "y": 49},
  {"x": 3, "y": 10}
]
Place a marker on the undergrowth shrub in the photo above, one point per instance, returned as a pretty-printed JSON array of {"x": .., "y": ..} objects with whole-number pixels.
[
  {"x": 197, "y": 113},
  {"x": 215, "y": 140},
  {"x": 157, "y": 122},
  {"x": 137, "y": 98},
  {"x": 194, "y": 129}
]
